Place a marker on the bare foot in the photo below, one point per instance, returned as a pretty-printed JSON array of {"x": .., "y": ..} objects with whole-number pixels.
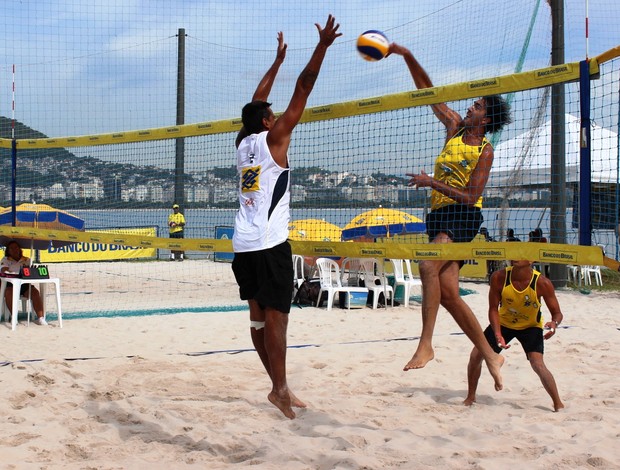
[
  {"x": 296, "y": 402},
  {"x": 469, "y": 401},
  {"x": 421, "y": 357},
  {"x": 283, "y": 403},
  {"x": 494, "y": 366},
  {"x": 558, "y": 407}
]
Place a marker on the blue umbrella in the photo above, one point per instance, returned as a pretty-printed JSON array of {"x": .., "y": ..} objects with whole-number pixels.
[
  {"x": 39, "y": 216},
  {"x": 382, "y": 222}
]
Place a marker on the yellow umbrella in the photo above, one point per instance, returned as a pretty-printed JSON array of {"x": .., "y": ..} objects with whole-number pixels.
[
  {"x": 39, "y": 216},
  {"x": 382, "y": 222},
  {"x": 313, "y": 230}
]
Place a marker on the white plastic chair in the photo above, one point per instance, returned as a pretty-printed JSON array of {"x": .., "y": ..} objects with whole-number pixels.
[
  {"x": 574, "y": 274},
  {"x": 41, "y": 283},
  {"x": 25, "y": 309},
  {"x": 406, "y": 280},
  {"x": 415, "y": 281},
  {"x": 375, "y": 281},
  {"x": 298, "y": 270},
  {"x": 350, "y": 271},
  {"x": 329, "y": 279},
  {"x": 587, "y": 271}
]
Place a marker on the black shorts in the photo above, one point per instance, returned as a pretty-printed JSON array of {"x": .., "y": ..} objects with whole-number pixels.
[
  {"x": 531, "y": 339},
  {"x": 459, "y": 221},
  {"x": 177, "y": 234},
  {"x": 266, "y": 276}
]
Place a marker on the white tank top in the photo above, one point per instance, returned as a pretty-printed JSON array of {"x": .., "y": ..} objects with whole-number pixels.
[{"x": 264, "y": 197}]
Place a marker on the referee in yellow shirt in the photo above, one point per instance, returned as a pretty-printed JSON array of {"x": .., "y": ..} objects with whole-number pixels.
[{"x": 176, "y": 223}]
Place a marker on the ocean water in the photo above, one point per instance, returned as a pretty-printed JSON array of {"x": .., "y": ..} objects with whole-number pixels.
[{"x": 201, "y": 223}]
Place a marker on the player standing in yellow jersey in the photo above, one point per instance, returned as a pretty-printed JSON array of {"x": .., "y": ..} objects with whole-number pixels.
[
  {"x": 461, "y": 173},
  {"x": 515, "y": 312}
]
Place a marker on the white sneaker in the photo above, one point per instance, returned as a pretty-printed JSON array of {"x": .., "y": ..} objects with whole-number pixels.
[{"x": 40, "y": 321}]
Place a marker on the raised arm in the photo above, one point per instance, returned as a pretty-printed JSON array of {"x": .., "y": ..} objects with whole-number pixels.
[
  {"x": 264, "y": 86},
  {"x": 279, "y": 136},
  {"x": 450, "y": 118}
]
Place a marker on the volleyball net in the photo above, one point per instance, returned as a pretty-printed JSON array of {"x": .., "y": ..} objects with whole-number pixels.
[{"x": 348, "y": 156}]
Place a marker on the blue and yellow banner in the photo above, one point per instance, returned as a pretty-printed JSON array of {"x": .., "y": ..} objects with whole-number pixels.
[{"x": 97, "y": 251}]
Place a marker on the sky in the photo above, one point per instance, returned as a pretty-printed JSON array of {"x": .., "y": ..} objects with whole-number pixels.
[{"x": 98, "y": 66}]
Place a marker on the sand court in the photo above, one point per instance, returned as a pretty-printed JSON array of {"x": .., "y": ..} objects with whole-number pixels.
[{"x": 186, "y": 390}]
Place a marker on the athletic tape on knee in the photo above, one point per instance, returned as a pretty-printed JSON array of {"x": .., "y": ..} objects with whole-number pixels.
[{"x": 257, "y": 325}]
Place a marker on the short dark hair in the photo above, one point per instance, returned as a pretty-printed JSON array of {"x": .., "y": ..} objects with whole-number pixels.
[
  {"x": 498, "y": 109},
  {"x": 8, "y": 244},
  {"x": 253, "y": 114}
]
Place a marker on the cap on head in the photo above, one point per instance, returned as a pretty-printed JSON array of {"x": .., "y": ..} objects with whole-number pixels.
[{"x": 175, "y": 206}]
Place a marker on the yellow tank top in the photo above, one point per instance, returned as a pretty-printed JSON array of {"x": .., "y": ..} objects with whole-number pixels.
[
  {"x": 454, "y": 167},
  {"x": 520, "y": 309}
]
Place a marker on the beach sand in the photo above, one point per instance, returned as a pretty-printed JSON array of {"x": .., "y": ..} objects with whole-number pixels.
[{"x": 187, "y": 391}]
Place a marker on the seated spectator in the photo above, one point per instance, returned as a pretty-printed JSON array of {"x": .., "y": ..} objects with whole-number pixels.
[
  {"x": 536, "y": 235},
  {"x": 510, "y": 236},
  {"x": 12, "y": 262},
  {"x": 492, "y": 264},
  {"x": 485, "y": 233}
]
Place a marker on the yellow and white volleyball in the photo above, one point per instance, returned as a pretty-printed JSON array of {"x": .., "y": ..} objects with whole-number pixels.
[{"x": 373, "y": 45}]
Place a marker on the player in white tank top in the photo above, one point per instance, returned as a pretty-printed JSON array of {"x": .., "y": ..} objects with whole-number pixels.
[
  {"x": 264, "y": 197},
  {"x": 261, "y": 226}
]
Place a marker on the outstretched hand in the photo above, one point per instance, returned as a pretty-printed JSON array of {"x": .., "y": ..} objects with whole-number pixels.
[
  {"x": 328, "y": 34},
  {"x": 281, "y": 54},
  {"x": 550, "y": 327},
  {"x": 421, "y": 180},
  {"x": 396, "y": 49},
  {"x": 501, "y": 342}
]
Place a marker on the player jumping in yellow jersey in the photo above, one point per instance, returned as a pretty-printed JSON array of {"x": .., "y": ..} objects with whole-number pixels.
[{"x": 461, "y": 173}]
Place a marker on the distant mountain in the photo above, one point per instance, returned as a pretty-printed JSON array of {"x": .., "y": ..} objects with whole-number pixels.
[
  {"x": 21, "y": 130},
  {"x": 44, "y": 167}
]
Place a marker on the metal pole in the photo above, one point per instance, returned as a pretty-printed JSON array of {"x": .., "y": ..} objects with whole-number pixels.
[
  {"x": 179, "y": 166},
  {"x": 558, "y": 272},
  {"x": 13, "y": 182},
  {"x": 13, "y": 158},
  {"x": 618, "y": 182},
  {"x": 585, "y": 164}
]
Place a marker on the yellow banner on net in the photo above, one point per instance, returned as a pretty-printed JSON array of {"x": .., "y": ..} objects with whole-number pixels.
[{"x": 91, "y": 251}]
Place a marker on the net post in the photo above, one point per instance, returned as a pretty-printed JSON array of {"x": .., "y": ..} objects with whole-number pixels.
[
  {"x": 585, "y": 166},
  {"x": 179, "y": 166}
]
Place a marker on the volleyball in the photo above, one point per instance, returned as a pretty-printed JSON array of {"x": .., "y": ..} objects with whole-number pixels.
[{"x": 373, "y": 45}]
